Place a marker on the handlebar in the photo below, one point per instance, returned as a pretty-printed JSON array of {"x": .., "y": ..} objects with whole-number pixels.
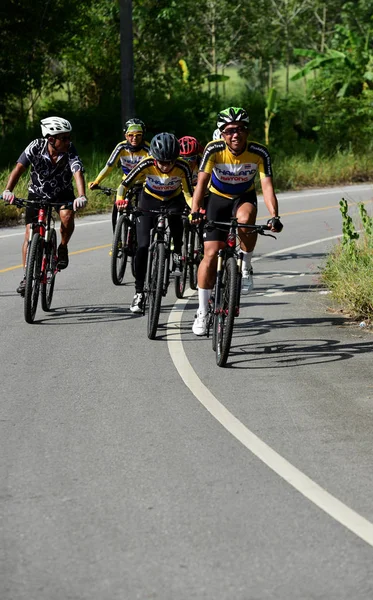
[
  {"x": 105, "y": 190},
  {"x": 260, "y": 229},
  {"x": 21, "y": 202}
]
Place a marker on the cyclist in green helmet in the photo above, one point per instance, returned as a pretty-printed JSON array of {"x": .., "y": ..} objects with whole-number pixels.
[{"x": 228, "y": 169}]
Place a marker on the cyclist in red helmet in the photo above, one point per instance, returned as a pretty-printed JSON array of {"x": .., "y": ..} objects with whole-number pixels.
[{"x": 191, "y": 151}]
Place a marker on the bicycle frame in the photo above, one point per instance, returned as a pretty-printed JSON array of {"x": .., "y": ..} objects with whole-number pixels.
[
  {"x": 227, "y": 290},
  {"x": 160, "y": 234}
]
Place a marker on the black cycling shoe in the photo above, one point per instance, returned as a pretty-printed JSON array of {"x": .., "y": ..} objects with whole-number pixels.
[
  {"x": 63, "y": 257},
  {"x": 21, "y": 288}
]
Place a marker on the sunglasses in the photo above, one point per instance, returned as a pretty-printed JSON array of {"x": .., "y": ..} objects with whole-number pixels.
[
  {"x": 232, "y": 130},
  {"x": 63, "y": 138},
  {"x": 189, "y": 158},
  {"x": 165, "y": 162},
  {"x": 131, "y": 135}
]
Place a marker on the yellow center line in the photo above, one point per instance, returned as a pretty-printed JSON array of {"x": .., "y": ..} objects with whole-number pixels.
[
  {"x": 70, "y": 254},
  {"x": 288, "y": 214},
  {"x": 310, "y": 210}
]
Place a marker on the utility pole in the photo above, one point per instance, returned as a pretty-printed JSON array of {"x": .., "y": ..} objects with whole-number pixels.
[{"x": 126, "y": 61}]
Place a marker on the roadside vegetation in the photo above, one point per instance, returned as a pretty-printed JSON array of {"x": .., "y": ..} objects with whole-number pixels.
[{"x": 349, "y": 267}]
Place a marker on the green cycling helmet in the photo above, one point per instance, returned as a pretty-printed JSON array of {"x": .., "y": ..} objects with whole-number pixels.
[{"x": 232, "y": 114}]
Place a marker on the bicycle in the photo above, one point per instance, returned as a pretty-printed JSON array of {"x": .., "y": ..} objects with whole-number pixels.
[
  {"x": 41, "y": 259},
  {"x": 192, "y": 254},
  {"x": 158, "y": 269},
  {"x": 124, "y": 238},
  {"x": 224, "y": 304}
]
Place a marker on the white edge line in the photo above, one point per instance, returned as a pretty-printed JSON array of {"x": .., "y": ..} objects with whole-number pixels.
[{"x": 340, "y": 512}]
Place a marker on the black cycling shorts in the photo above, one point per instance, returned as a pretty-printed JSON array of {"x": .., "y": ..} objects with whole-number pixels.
[
  {"x": 31, "y": 215},
  {"x": 222, "y": 209}
]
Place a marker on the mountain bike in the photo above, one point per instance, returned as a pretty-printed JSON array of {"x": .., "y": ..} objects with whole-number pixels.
[
  {"x": 124, "y": 238},
  {"x": 159, "y": 267},
  {"x": 41, "y": 259},
  {"x": 192, "y": 254},
  {"x": 224, "y": 304}
]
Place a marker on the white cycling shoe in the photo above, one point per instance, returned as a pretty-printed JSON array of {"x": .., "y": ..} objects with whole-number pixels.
[
  {"x": 247, "y": 282},
  {"x": 200, "y": 323}
]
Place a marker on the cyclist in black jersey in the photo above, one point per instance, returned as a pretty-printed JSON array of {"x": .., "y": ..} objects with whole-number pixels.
[
  {"x": 54, "y": 163},
  {"x": 228, "y": 169}
]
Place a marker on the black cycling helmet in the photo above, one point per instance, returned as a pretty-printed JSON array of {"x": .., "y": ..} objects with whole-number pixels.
[
  {"x": 165, "y": 147},
  {"x": 134, "y": 125}
]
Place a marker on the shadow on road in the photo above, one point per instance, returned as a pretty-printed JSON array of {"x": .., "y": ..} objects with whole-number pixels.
[
  {"x": 76, "y": 315},
  {"x": 293, "y": 353}
]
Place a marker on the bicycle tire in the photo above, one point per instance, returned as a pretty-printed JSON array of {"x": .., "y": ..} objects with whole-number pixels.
[
  {"x": 132, "y": 246},
  {"x": 119, "y": 251},
  {"x": 155, "y": 291},
  {"x": 180, "y": 280},
  {"x": 226, "y": 312},
  {"x": 49, "y": 275},
  {"x": 33, "y": 276},
  {"x": 194, "y": 259}
]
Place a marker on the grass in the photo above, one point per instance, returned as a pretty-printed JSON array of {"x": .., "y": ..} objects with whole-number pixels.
[
  {"x": 291, "y": 173},
  {"x": 348, "y": 271}
]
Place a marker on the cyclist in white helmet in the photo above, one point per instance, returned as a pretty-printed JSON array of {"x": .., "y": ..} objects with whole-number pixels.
[{"x": 54, "y": 163}]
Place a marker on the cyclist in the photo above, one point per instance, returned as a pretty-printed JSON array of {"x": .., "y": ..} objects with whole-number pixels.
[
  {"x": 127, "y": 153},
  {"x": 191, "y": 151},
  {"x": 54, "y": 162},
  {"x": 165, "y": 177},
  {"x": 228, "y": 168}
]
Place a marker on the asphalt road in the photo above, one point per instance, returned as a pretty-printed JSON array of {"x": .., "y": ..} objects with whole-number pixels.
[{"x": 138, "y": 469}]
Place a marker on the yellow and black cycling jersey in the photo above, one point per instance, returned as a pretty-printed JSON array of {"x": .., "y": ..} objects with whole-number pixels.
[
  {"x": 124, "y": 155},
  {"x": 195, "y": 170},
  {"x": 162, "y": 186},
  {"x": 233, "y": 175}
]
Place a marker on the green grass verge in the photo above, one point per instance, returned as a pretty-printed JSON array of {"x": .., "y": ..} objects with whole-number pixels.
[
  {"x": 351, "y": 282},
  {"x": 290, "y": 173}
]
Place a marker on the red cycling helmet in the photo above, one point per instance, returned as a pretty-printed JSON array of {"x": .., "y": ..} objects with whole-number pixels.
[{"x": 189, "y": 146}]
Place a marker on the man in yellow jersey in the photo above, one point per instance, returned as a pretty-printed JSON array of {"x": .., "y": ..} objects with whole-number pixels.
[
  {"x": 165, "y": 177},
  {"x": 127, "y": 153},
  {"x": 228, "y": 169}
]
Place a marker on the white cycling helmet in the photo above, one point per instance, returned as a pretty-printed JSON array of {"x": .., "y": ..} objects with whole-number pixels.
[
  {"x": 217, "y": 135},
  {"x": 54, "y": 126}
]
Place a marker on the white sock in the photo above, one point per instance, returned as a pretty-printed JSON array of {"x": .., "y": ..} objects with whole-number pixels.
[
  {"x": 203, "y": 300},
  {"x": 246, "y": 260}
]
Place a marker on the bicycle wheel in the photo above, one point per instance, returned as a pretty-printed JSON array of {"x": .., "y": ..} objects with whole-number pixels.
[
  {"x": 33, "y": 276},
  {"x": 132, "y": 245},
  {"x": 48, "y": 272},
  {"x": 180, "y": 280},
  {"x": 119, "y": 251},
  {"x": 155, "y": 291},
  {"x": 226, "y": 312},
  {"x": 194, "y": 258}
]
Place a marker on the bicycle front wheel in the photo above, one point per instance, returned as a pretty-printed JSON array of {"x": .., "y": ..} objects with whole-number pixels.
[
  {"x": 49, "y": 269},
  {"x": 119, "y": 252},
  {"x": 155, "y": 292},
  {"x": 226, "y": 312},
  {"x": 194, "y": 258},
  {"x": 33, "y": 277},
  {"x": 180, "y": 280}
]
